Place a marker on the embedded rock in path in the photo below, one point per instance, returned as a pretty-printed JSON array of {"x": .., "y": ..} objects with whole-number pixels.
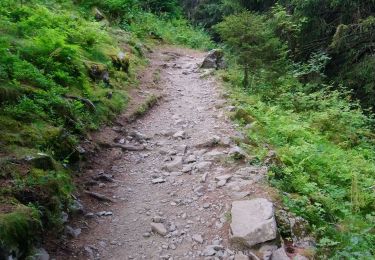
[
  {"x": 203, "y": 166},
  {"x": 190, "y": 159},
  {"x": 253, "y": 222},
  {"x": 241, "y": 257},
  {"x": 251, "y": 173},
  {"x": 198, "y": 238},
  {"x": 210, "y": 142},
  {"x": 158, "y": 181},
  {"x": 279, "y": 254},
  {"x": 214, "y": 155},
  {"x": 72, "y": 232},
  {"x": 180, "y": 134},
  {"x": 187, "y": 168},
  {"x": 159, "y": 228},
  {"x": 222, "y": 180},
  {"x": 174, "y": 165}
]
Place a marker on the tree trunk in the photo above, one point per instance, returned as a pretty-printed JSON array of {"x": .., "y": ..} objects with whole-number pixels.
[{"x": 245, "y": 81}]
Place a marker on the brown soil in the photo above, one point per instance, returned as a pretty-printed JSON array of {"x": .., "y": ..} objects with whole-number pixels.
[{"x": 192, "y": 102}]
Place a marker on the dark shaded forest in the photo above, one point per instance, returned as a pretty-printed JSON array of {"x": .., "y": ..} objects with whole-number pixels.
[{"x": 338, "y": 33}]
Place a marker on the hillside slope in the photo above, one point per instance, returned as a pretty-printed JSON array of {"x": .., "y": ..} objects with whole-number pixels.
[{"x": 66, "y": 68}]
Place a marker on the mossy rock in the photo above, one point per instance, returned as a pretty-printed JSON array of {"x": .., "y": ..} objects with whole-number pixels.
[
  {"x": 121, "y": 61},
  {"x": 42, "y": 161},
  {"x": 18, "y": 231},
  {"x": 243, "y": 116}
]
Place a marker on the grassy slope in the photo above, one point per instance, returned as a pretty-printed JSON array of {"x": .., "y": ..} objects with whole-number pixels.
[
  {"x": 48, "y": 101},
  {"x": 325, "y": 149}
]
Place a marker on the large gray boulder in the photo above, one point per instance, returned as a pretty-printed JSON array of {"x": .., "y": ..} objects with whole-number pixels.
[
  {"x": 253, "y": 222},
  {"x": 214, "y": 60}
]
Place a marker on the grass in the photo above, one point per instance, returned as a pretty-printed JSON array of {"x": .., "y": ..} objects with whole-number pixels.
[
  {"x": 149, "y": 103},
  {"x": 172, "y": 31},
  {"x": 325, "y": 149}
]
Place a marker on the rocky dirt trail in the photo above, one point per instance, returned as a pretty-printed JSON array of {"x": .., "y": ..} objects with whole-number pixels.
[{"x": 173, "y": 199}]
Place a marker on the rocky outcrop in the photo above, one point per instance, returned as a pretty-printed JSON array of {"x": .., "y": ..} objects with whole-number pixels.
[
  {"x": 121, "y": 62},
  {"x": 253, "y": 222},
  {"x": 42, "y": 161},
  {"x": 98, "y": 15},
  {"x": 98, "y": 72},
  {"x": 214, "y": 60}
]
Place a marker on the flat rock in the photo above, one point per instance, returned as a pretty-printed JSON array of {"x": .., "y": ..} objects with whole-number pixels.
[
  {"x": 237, "y": 153},
  {"x": 204, "y": 177},
  {"x": 158, "y": 180},
  {"x": 223, "y": 179},
  {"x": 180, "y": 134},
  {"x": 279, "y": 254},
  {"x": 237, "y": 195},
  {"x": 251, "y": 173},
  {"x": 72, "y": 232},
  {"x": 198, "y": 238},
  {"x": 213, "y": 155},
  {"x": 190, "y": 159},
  {"x": 253, "y": 222},
  {"x": 174, "y": 165},
  {"x": 41, "y": 254},
  {"x": 241, "y": 257},
  {"x": 211, "y": 250},
  {"x": 203, "y": 166},
  {"x": 159, "y": 228},
  {"x": 210, "y": 142}
]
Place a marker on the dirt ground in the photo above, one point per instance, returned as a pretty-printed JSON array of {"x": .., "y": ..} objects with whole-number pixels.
[{"x": 179, "y": 178}]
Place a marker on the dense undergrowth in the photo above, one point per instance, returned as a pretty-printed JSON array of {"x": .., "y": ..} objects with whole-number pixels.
[
  {"x": 65, "y": 69},
  {"x": 324, "y": 141}
]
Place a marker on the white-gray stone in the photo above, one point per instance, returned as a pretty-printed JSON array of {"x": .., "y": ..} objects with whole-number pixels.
[
  {"x": 41, "y": 254},
  {"x": 191, "y": 159},
  {"x": 223, "y": 179},
  {"x": 213, "y": 155},
  {"x": 159, "y": 228},
  {"x": 203, "y": 166},
  {"x": 204, "y": 177},
  {"x": 180, "y": 134},
  {"x": 72, "y": 232},
  {"x": 158, "y": 180},
  {"x": 237, "y": 153},
  {"x": 279, "y": 254},
  {"x": 174, "y": 165},
  {"x": 241, "y": 257},
  {"x": 253, "y": 222},
  {"x": 198, "y": 238}
]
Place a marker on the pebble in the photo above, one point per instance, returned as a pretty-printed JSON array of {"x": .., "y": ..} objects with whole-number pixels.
[
  {"x": 206, "y": 205},
  {"x": 198, "y": 238},
  {"x": 147, "y": 234},
  {"x": 72, "y": 232},
  {"x": 158, "y": 180},
  {"x": 159, "y": 228}
]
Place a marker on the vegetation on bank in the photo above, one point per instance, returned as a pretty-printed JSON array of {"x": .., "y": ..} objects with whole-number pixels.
[
  {"x": 324, "y": 141},
  {"x": 65, "y": 69},
  {"x": 342, "y": 30}
]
